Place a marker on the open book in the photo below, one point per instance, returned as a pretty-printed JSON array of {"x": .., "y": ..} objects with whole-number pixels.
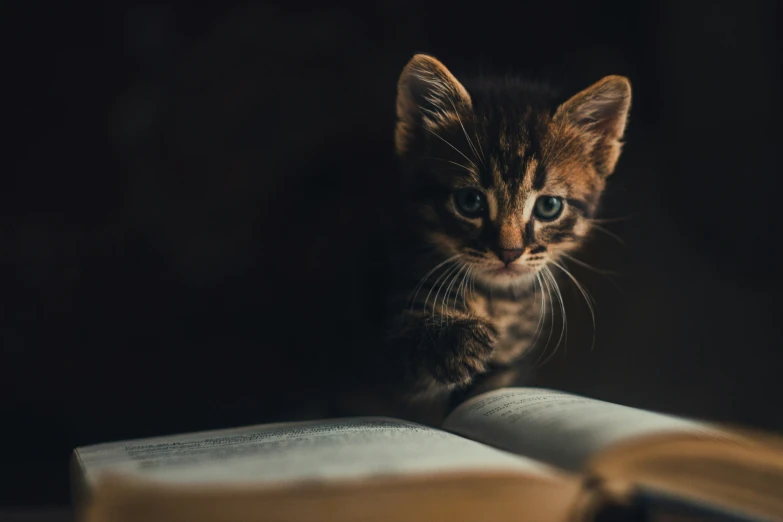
[{"x": 516, "y": 454}]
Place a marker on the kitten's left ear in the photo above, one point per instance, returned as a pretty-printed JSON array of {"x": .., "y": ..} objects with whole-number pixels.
[
  {"x": 601, "y": 113},
  {"x": 428, "y": 96}
]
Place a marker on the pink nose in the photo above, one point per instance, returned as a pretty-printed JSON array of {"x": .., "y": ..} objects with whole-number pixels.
[{"x": 508, "y": 256}]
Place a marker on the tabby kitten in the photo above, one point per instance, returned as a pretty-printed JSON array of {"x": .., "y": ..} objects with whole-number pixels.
[{"x": 499, "y": 183}]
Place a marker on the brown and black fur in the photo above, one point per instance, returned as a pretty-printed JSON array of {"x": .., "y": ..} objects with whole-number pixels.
[{"x": 450, "y": 325}]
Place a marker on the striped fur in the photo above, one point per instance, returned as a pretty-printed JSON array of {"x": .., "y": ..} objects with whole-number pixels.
[{"x": 456, "y": 311}]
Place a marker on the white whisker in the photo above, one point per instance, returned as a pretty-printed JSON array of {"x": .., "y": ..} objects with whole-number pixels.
[
  {"x": 461, "y": 287},
  {"x": 435, "y": 283},
  {"x": 588, "y": 299},
  {"x": 470, "y": 143},
  {"x": 564, "y": 318},
  {"x": 427, "y": 275},
  {"x": 473, "y": 283},
  {"x": 452, "y": 146},
  {"x": 478, "y": 142},
  {"x": 452, "y": 162},
  {"x": 541, "y": 311},
  {"x": 620, "y": 219},
  {"x": 609, "y": 233},
  {"x": 445, "y": 278},
  {"x": 605, "y": 273},
  {"x": 444, "y": 307},
  {"x": 547, "y": 298},
  {"x": 585, "y": 265}
]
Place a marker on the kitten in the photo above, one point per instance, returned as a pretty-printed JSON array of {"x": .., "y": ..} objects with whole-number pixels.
[{"x": 498, "y": 183}]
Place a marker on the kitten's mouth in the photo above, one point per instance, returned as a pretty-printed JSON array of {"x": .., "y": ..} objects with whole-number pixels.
[
  {"x": 507, "y": 271},
  {"x": 500, "y": 275}
]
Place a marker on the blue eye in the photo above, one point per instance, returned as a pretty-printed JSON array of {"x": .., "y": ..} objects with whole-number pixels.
[
  {"x": 548, "y": 208},
  {"x": 470, "y": 202}
]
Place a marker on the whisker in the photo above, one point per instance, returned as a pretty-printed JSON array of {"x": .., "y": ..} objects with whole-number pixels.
[
  {"x": 545, "y": 284},
  {"x": 589, "y": 267},
  {"x": 450, "y": 145},
  {"x": 542, "y": 312},
  {"x": 563, "y": 308},
  {"x": 417, "y": 288},
  {"x": 605, "y": 273},
  {"x": 607, "y": 232},
  {"x": 614, "y": 220},
  {"x": 538, "y": 288},
  {"x": 473, "y": 276},
  {"x": 585, "y": 294},
  {"x": 470, "y": 143},
  {"x": 472, "y": 290},
  {"x": 435, "y": 283},
  {"x": 452, "y": 162},
  {"x": 461, "y": 287},
  {"x": 478, "y": 142},
  {"x": 552, "y": 294},
  {"x": 445, "y": 278},
  {"x": 564, "y": 318},
  {"x": 444, "y": 307}
]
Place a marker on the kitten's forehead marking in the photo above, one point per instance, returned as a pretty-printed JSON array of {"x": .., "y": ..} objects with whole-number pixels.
[
  {"x": 514, "y": 191},
  {"x": 530, "y": 202},
  {"x": 528, "y": 177},
  {"x": 492, "y": 203}
]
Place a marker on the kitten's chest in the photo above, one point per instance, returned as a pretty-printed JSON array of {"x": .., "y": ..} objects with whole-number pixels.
[{"x": 518, "y": 318}]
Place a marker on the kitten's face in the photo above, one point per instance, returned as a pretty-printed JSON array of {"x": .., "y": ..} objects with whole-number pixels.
[{"x": 500, "y": 180}]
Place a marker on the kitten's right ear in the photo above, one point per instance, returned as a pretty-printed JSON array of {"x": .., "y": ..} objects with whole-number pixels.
[
  {"x": 601, "y": 113},
  {"x": 428, "y": 96}
]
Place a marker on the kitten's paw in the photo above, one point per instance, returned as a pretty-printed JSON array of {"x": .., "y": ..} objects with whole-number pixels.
[{"x": 462, "y": 351}]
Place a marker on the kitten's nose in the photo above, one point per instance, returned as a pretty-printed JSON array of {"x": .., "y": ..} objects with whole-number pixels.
[{"x": 508, "y": 256}]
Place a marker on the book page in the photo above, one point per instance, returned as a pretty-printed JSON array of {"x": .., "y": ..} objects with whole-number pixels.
[
  {"x": 556, "y": 427},
  {"x": 324, "y": 450}
]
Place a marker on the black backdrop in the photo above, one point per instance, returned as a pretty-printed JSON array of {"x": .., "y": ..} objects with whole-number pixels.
[{"x": 127, "y": 263}]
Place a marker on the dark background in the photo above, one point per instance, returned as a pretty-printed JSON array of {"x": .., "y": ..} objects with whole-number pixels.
[{"x": 149, "y": 150}]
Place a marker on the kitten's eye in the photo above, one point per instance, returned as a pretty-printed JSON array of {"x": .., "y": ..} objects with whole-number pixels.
[
  {"x": 548, "y": 208},
  {"x": 470, "y": 202}
]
